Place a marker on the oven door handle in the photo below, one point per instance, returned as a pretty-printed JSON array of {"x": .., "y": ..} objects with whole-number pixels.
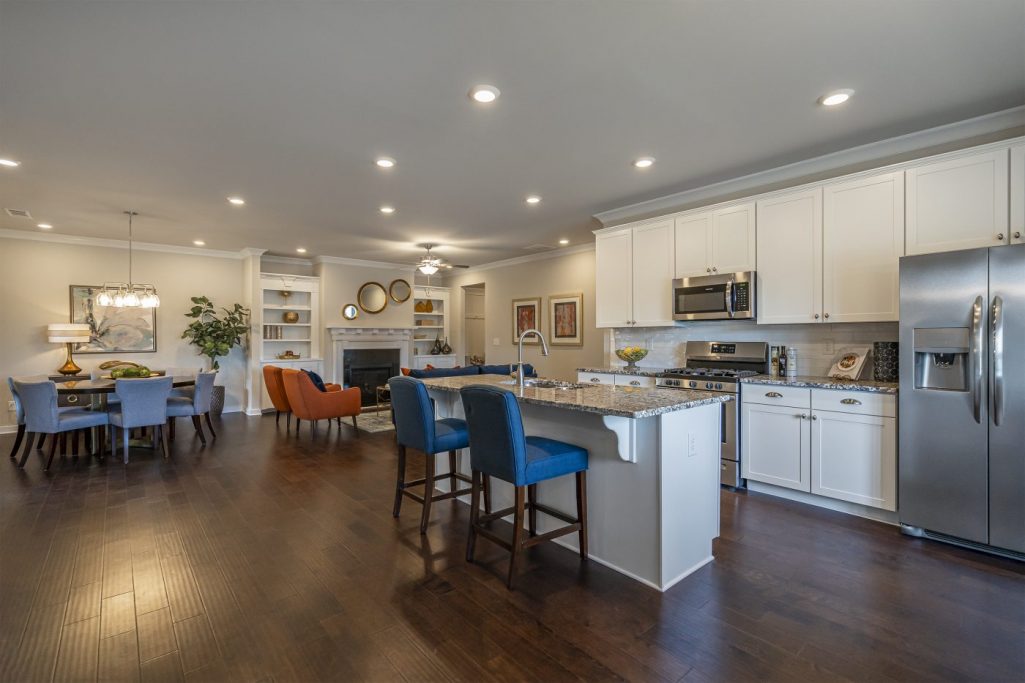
[{"x": 729, "y": 297}]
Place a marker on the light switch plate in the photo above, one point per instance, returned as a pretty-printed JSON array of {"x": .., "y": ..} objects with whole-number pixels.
[
  {"x": 10, "y": 407},
  {"x": 496, "y": 341},
  {"x": 692, "y": 444}
]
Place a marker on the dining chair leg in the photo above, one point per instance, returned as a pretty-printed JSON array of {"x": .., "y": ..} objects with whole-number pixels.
[
  {"x": 63, "y": 442},
  {"x": 88, "y": 438},
  {"x": 49, "y": 457},
  {"x": 428, "y": 492},
  {"x": 113, "y": 441},
  {"x": 400, "y": 482},
  {"x": 28, "y": 449},
  {"x": 199, "y": 428},
  {"x": 101, "y": 437},
  {"x": 277, "y": 418},
  {"x": 471, "y": 539},
  {"x": 163, "y": 440},
  {"x": 355, "y": 427},
  {"x": 39, "y": 446},
  {"x": 582, "y": 512},
  {"x": 487, "y": 492},
  {"x": 17, "y": 441},
  {"x": 124, "y": 443},
  {"x": 297, "y": 423},
  {"x": 452, "y": 481},
  {"x": 74, "y": 443},
  {"x": 288, "y": 423},
  {"x": 517, "y": 539},
  {"x": 170, "y": 427},
  {"x": 531, "y": 512},
  {"x": 210, "y": 425}
]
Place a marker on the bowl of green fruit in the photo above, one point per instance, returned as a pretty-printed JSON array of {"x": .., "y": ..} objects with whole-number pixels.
[
  {"x": 631, "y": 354},
  {"x": 130, "y": 372}
]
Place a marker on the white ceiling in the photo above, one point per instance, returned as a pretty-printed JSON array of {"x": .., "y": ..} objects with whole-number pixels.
[{"x": 169, "y": 106}]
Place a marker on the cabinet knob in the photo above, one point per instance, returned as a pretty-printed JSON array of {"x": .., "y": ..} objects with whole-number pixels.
[
  {"x": 814, "y": 417},
  {"x": 773, "y": 394},
  {"x": 1000, "y": 236},
  {"x": 826, "y": 316},
  {"x": 72, "y": 398},
  {"x": 708, "y": 270},
  {"x": 714, "y": 269},
  {"x": 851, "y": 402},
  {"x": 1017, "y": 235},
  {"x": 635, "y": 383},
  {"x": 816, "y": 316}
]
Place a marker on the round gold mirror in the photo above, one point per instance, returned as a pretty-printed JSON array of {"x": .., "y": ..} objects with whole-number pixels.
[
  {"x": 399, "y": 291},
  {"x": 372, "y": 297},
  {"x": 350, "y": 312}
]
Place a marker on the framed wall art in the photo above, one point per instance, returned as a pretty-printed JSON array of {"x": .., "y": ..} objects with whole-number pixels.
[
  {"x": 526, "y": 314},
  {"x": 566, "y": 319},
  {"x": 112, "y": 330}
]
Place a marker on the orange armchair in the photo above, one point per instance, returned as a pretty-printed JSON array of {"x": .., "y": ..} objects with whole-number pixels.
[
  {"x": 276, "y": 390},
  {"x": 309, "y": 403}
]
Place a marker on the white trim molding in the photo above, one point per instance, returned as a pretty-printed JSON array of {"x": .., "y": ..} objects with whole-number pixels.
[
  {"x": 554, "y": 253},
  {"x": 1011, "y": 121},
  {"x": 119, "y": 244},
  {"x": 360, "y": 263}
]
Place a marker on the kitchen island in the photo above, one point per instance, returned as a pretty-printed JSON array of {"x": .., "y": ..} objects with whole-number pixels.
[{"x": 653, "y": 477}]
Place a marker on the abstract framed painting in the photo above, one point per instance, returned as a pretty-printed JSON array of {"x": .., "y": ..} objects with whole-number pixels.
[
  {"x": 112, "y": 330},
  {"x": 566, "y": 319},
  {"x": 526, "y": 314}
]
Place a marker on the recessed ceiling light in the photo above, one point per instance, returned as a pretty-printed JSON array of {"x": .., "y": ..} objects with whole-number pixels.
[
  {"x": 644, "y": 162},
  {"x": 533, "y": 199},
  {"x": 237, "y": 201},
  {"x": 10, "y": 162},
  {"x": 564, "y": 241},
  {"x": 199, "y": 243},
  {"x": 836, "y": 97},
  {"x": 301, "y": 250},
  {"x": 387, "y": 209},
  {"x": 385, "y": 162},
  {"x": 44, "y": 226},
  {"x": 484, "y": 94}
]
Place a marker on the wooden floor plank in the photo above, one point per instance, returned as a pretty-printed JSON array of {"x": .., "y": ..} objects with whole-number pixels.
[{"x": 79, "y": 650}]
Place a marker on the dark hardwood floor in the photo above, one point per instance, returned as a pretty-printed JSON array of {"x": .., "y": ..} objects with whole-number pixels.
[{"x": 268, "y": 557}]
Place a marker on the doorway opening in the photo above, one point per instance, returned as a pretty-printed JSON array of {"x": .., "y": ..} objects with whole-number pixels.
[{"x": 473, "y": 324}]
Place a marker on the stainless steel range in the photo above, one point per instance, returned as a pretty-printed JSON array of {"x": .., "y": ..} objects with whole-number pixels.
[{"x": 718, "y": 366}]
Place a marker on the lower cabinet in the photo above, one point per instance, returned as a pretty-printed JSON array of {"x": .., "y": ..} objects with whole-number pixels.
[
  {"x": 636, "y": 381},
  {"x": 788, "y": 440}
]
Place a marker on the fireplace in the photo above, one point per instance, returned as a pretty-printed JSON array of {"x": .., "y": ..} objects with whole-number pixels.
[{"x": 369, "y": 369}]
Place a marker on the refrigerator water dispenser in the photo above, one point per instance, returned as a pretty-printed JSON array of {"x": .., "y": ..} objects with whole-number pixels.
[{"x": 941, "y": 358}]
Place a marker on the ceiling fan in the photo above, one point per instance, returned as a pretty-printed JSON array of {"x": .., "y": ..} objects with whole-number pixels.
[{"x": 431, "y": 264}]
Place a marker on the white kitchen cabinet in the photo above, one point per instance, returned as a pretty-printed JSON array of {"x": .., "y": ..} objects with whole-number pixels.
[
  {"x": 718, "y": 241},
  {"x": 958, "y": 203},
  {"x": 862, "y": 242},
  {"x": 776, "y": 445},
  {"x": 613, "y": 292},
  {"x": 634, "y": 273},
  {"x": 789, "y": 239},
  {"x": 635, "y": 381},
  {"x": 854, "y": 458},
  {"x": 1017, "y": 228}
]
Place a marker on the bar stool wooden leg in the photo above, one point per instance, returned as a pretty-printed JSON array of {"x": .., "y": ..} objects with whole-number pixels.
[
  {"x": 428, "y": 493},
  {"x": 517, "y": 539},
  {"x": 471, "y": 540},
  {"x": 582, "y": 512},
  {"x": 531, "y": 510},
  {"x": 453, "y": 483},
  {"x": 39, "y": 446},
  {"x": 400, "y": 482},
  {"x": 487, "y": 493}
]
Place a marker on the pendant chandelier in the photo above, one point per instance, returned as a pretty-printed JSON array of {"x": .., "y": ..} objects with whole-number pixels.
[{"x": 128, "y": 294}]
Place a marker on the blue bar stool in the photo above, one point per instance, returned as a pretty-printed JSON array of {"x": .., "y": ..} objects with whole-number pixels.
[
  {"x": 415, "y": 427},
  {"x": 499, "y": 448}
]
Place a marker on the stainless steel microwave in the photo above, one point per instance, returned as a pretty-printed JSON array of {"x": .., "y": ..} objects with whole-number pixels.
[{"x": 725, "y": 296}]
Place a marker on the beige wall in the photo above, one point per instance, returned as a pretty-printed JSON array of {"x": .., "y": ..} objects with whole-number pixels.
[
  {"x": 563, "y": 274},
  {"x": 34, "y": 280}
]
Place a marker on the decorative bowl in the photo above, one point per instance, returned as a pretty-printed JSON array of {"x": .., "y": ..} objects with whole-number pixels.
[
  {"x": 290, "y": 317},
  {"x": 631, "y": 354}
]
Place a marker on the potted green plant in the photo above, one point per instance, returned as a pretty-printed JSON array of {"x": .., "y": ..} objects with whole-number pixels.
[{"x": 216, "y": 335}]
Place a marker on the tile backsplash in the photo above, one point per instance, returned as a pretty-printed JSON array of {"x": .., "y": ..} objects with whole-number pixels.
[{"x": 817, "y": 345}]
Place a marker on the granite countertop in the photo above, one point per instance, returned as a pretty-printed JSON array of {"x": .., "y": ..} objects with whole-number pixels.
[
  {"x": 825, "y": 383},
  {"x": 603, "y": 399},
  {"x": 622, "y": 370}
]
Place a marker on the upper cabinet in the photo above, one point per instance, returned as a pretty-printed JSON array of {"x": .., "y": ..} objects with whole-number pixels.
[
  {"x": 1017, "y": 229},
  {"x": 789, "y": 286},
  {"x": 958, "y": 203},
  {"x": 862, "y": 242},
  {"x": 719, "y": 241},
  {"x": 634, "y": 276}
]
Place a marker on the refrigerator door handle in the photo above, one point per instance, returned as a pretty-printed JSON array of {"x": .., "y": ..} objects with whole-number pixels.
[
  {"x": 976, "y": 358},
  {"x": 997, "y": 362}
]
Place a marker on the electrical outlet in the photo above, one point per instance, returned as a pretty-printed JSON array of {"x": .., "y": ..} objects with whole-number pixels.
[
  {"x": 692, "y": 444},
  {"x": 10, "y": 407},
  {"x": 496, "y": 341}
]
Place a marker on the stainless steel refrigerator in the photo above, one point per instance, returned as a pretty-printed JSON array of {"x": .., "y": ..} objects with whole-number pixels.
[{"x": 962, "y": 397}]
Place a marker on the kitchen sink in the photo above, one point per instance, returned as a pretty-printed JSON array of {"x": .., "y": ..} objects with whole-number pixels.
[{"x": 548, "y": 384}]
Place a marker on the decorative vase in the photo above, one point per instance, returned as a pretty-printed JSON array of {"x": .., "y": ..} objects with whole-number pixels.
[
  {"x": 429, "y": 306},
  {"x": 217, "y": 400},
  {"x": 290, "y": 317},
  {"x": 445, "y": 348},
  {"x": 436, "y": 349}
]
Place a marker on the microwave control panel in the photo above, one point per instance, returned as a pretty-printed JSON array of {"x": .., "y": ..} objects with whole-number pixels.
[{"x": 743, "y": 294}]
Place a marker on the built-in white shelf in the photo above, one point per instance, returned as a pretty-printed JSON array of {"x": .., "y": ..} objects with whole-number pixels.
[{"x": 285, "y": 307}]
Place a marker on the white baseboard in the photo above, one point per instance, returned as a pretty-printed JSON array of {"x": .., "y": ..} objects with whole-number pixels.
[
  {"x": 8, "y": 429},
  {"x": 865, "y": 511}
]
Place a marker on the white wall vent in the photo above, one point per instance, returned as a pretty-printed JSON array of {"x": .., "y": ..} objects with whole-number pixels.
[{"x": 18, "y": 213}]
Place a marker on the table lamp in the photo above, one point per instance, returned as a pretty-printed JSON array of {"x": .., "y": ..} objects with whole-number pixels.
[{"x": 68, "y": 333}]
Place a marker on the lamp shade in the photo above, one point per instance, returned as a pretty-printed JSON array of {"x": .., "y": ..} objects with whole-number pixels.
[{"x": 67, "y": 333}]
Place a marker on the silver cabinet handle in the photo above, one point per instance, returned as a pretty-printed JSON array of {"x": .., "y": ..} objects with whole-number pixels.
[
  {"x": 774, "y": 394},
  {"x": 729, "y": 297},
  {"x": 997, "y": 364},
  {"x": 975, "y": 354},
  {"x": 800, "y": 415},
  {"x": 1000, "y": 236},
  {"x": 851, "y": 402},
  {"x": 635, "y": 383},
  {"x": 72, "y": 398},
  {"x": 595, "y": 379}
]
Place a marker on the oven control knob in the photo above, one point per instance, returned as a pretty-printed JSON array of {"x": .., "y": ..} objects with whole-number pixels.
[
  {"x": 708, "y": 385},
  {"x": 718, "y": 385},
  {"x": 675, "y": 382},
  {"x": 693, "y": 384}
]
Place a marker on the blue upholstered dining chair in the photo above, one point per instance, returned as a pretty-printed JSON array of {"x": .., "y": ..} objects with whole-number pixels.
[
  {"x": 19, "y": 411},
  {"x": 499, "y": 448},
  {"x": 194, "y": 406},
  {"x": 39, "y": 403},
  {"x": 143, "y": 403},
  {"x": 415, "y": 427}
]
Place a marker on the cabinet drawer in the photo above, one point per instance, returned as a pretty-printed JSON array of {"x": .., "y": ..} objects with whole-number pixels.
[
  {"x": 772, "y": 395},
  {"x": 857, "y": 402},
  {"x": 637, "y": 381},
  {"x": 596, "y": 378}
]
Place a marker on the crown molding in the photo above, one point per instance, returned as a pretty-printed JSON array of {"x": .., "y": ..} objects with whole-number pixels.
[
  {"x": 56, "y": 238},
  {"x": 988, "y": 124},
  {"x": 288, "y": 259},
  {"x": 360, "y": 263},
  {"x": 252, "y": 251},
  {"x": 555, "y": 253}
]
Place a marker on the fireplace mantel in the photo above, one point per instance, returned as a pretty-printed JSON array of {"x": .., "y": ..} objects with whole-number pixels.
[{"x": 343, "y": 338}]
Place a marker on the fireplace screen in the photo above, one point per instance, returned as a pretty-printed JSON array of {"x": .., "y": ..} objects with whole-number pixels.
[{"x": 369, "y": 369}]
